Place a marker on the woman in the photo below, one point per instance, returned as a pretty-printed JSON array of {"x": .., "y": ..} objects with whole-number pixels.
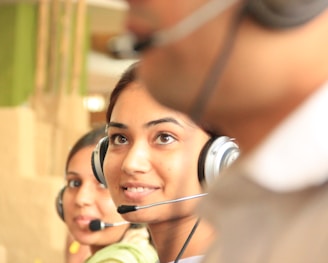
[
  {"x": 152, "y": 156},
  {"x": 84, "y": 199}
]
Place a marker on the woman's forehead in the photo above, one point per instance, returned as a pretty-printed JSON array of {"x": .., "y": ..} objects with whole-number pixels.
[{"x": 136, "y": 102}]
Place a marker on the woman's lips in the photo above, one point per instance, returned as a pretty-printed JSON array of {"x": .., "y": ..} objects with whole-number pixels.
[
  {"x": 83, "y": 221},
  {"x": 137, "y": 193}
]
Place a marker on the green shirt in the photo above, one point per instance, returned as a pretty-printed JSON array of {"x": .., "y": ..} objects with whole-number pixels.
[{"x": 134, "y": 248}]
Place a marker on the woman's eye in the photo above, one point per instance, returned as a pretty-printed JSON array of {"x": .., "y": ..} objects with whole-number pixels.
[
  {"x": 118, "y": 139},
  {"x": 165, "y": 138},
  {"x": 74, "y": 183}
]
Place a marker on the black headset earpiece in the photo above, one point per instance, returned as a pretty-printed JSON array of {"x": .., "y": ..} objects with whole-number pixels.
[
  {"x": 217, "y": 154},
  {"x": 285, "y": 13},
  {"x": 59, "y": 203},
  {"x": 97, "y": 160}
]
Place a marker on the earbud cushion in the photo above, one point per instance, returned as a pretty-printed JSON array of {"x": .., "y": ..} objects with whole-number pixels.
[
  {"x": 97, "y": 160},
  {"x": 59, "y": 203},
  {"x": 202, "y": 159}
]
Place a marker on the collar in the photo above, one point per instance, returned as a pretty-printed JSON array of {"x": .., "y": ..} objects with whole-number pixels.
[{"x": 295, "y": 154}]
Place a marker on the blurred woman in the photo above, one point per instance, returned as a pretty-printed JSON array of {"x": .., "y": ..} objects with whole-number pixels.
[{"x": 84, "y": 200}]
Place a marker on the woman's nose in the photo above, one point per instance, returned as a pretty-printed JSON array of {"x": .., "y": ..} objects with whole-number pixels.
[
  {"x": 85, "y": 195},
  {"x": 137, "y": 159}
]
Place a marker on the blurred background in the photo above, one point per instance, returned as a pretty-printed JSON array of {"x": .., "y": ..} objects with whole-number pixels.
[{"x": 55, "y": 79}]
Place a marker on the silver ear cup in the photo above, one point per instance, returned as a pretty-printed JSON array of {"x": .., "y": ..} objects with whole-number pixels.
[
  {"x": 221, "y": 153},
  {"x": 97, "y": 160},
  {"x": 59, "y": 203}
]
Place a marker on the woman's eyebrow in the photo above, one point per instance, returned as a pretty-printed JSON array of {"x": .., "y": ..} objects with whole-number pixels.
[
  {"x": 163, "y": 120},
  {"x": 116, "y": 125},
  {"x": 148, "y": 124},
  {"x": 72, "y": 173}
]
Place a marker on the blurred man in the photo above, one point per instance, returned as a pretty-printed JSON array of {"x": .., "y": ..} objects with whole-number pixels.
[{"x": 258, "y": 71}]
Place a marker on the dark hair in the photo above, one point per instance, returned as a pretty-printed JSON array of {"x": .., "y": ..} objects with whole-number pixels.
[
  {"x": 88, "y": 139},
  {"x": 127, "y": 77}
]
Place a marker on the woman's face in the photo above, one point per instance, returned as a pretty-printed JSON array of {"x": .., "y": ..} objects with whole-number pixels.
[
  {"x": 85, "y": 199},
  {"x": 152, "y": 156}
]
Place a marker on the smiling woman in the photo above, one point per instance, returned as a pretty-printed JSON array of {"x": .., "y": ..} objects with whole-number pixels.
[{"x": 152, "y": 159}]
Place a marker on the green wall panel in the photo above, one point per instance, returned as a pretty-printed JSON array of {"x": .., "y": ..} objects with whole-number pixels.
[
  {"x": 18, "y": 40},
  {"x": 17, "y": 52}
]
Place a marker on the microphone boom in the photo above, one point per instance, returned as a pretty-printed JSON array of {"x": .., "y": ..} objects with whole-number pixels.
[
  {"x": 123, "y": 209},
  {"x": 96, "y": 225}
]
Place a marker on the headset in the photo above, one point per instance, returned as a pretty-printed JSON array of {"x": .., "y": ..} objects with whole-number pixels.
[
  {"x": 284, "y": 13},
  {"x": 59, "y": 203},
  {"x": 217, "y": 154}
]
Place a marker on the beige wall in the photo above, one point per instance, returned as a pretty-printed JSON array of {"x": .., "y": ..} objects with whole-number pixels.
[{"x": 30, "y": 230}]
